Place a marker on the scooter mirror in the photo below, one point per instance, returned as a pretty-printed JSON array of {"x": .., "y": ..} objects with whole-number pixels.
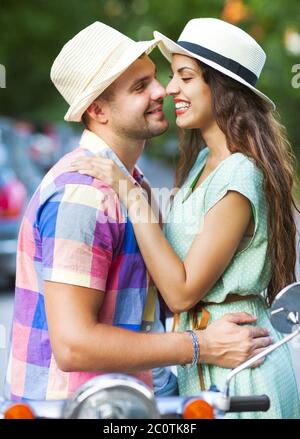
[{"x": 285, "y": 310}]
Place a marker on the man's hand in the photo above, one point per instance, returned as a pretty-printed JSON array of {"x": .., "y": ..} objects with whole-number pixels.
[{"x": 226, "y": 344}]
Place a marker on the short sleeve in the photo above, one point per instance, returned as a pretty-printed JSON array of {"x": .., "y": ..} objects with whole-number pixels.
[
  {"x": 243, "y": 176},
  {"x": 78, "y": 236}
]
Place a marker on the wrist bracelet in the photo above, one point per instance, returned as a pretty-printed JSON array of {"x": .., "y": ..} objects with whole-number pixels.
[{"x": 196, "y": 349}]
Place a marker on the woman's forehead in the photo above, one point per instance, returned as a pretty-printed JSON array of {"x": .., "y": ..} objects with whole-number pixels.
[{"x": 179, "y": 61}]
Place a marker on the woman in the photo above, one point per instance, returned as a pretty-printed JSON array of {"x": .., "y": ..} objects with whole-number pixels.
[{"x": 230, "y": 232}]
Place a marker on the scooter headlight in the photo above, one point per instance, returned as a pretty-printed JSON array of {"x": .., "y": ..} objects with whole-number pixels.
[{"x": 112, "y": 396}]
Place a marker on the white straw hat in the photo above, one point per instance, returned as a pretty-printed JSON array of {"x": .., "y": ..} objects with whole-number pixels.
[
  {"x": 222, "y": 46},
  {"x": 90, "y": 62}
]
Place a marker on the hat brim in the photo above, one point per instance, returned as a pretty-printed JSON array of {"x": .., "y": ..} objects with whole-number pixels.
[
  {"x": 96, "y": 87},
  {"x": 168, "y": 47}
]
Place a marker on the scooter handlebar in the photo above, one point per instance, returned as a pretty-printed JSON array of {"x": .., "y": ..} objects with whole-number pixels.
[{"x": 259, "y": 403}]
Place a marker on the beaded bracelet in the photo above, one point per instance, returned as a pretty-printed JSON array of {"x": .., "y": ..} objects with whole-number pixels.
[{"x": 196, "y": 348}]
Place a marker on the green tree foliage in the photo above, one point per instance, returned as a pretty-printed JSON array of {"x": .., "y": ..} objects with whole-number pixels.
[{"x": 33, "y": 32}]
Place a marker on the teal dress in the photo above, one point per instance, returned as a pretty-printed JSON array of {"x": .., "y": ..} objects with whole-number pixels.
[{"x": 248, "y": 274}]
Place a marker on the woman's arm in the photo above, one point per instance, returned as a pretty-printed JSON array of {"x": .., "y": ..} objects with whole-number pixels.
[{"x": 181, "y": 283}]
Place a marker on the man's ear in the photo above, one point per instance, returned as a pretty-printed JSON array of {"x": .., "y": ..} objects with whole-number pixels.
[{"x": 98, "y": 112}]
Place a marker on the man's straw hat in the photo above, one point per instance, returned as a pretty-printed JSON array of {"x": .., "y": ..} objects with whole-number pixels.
[{"x": 90, "y": 62}]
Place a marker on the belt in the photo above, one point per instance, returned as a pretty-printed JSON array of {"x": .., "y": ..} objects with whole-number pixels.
[{"x": 205, "y": 317}]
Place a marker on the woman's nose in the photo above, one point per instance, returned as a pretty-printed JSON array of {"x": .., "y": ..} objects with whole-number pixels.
[{"x": 172, "y": 88}]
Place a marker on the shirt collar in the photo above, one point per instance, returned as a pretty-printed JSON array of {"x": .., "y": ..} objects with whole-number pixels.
[{"x": 97, "y": 146}]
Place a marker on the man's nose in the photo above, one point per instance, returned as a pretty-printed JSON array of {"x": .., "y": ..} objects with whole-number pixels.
[{"x": 158, "y": 92}]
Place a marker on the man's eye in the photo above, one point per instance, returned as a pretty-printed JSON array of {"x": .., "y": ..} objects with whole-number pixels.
[
  {"x": 171, "y": 76},
  {"x": 140, "y": 87}
]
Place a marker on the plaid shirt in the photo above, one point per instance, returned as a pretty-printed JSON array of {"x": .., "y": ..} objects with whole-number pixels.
[{"x": 75, "y": 231}]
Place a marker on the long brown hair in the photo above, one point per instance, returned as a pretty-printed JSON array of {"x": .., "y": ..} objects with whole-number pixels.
[{"x": 252, "y": 128}]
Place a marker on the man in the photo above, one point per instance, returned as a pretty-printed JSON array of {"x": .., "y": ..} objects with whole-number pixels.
[{"x": 84, "y": 303}]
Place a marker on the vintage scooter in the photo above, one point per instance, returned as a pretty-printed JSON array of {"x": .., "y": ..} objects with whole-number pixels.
[{"x": 116, "y": 396}]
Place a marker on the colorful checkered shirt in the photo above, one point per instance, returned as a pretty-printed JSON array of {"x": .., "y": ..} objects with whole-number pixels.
[{"x": 75, "y": 231}]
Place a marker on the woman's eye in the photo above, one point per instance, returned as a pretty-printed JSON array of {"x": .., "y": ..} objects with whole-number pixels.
[{"x": 186, "y": 79}]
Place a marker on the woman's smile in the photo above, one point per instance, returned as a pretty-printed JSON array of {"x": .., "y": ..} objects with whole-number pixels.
[{"x": 181, "y": 106}]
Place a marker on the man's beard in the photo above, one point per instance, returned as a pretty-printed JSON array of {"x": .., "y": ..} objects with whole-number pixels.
[{"x": 144, "y": 131}]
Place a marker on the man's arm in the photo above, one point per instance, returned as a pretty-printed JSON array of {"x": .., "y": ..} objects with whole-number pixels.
[{"x": 79, "y": 342}]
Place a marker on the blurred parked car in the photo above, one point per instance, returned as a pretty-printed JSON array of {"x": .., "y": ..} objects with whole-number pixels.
[
  {"x": 28, "y": 170},
  {"x": 44, "y": 147},
  {"x": 27, "y": 151},
  {"x": 13, "y": 197}
]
